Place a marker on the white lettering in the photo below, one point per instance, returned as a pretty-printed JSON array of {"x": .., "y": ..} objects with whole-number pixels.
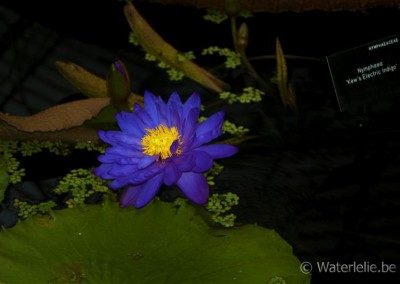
[
  {"x": 383, "y": 44},
  {"x": 370, "y": 67}
]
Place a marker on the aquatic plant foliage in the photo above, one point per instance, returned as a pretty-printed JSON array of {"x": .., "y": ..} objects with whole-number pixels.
[
  {"x": 161, "y": 243},
  {"x": 248, "y": 95},
  {"x": 219, "y": 205},
  {"x": 232, "y": 58}
]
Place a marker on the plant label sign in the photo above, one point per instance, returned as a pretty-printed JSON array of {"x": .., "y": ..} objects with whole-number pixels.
[{"x": 366, "y": 74}]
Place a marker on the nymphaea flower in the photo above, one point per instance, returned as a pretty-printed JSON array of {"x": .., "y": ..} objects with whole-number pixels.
[{"x": 162, "y": 143}]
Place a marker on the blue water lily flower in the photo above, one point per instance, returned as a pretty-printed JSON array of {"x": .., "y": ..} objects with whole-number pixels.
[{"x": 162, "y": 143}]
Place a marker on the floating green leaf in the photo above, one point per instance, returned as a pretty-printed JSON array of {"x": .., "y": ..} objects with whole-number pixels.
[
  {"x": 105, "y": 120},
  {"x": 162, "y": 243}
]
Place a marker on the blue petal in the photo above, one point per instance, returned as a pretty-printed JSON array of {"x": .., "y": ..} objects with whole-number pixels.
[
  {"x": 192, "y": 102},
  {"x": 162, "y": 116},
  {"x": 189, "y": 128},
  {"x": 125, "y": 122},
  {"x": 118, "y": 138},
  {"x": 106, "y": 137},
  {"x": 130, "y": 195},
  {"x": 185, "y": 162},
  {"x": 102, "y": 171},
  {"x": 108, "y": 158},
  {"x": 174, "y": 146},
  {"x": 205, "y": 138},
  {"x": 172, "y": 174},
  {"x": 124, "y": 152},
  {"x": 121, "y": 181},
  {"x": 137, "y": 107},
  {"x": 208, "y": 129},
  {"x": 145, "y": 120},
  {"x": 126, "y": 161},
  {"x": 123, "y": 170},
  {"x": 146, "y": 173},
  {"x": 217, "y": 151},
  {"x": 176, "y": 116},
  {"x": 125, "y": 139},
  {"x": 195, "y": 187},
  {"x": 131, "y": 126},
  {"x": 213, "y": 122},
  {"x": 149, "y": 190},
  {"x": 149, "y": 98},
  {"x": 203, "y": 161},
  {"x": 146, "y": 161},
  {"x": 174, "y": 100},
  {"x": 188, "y": 144},
  {"x": 174, "y": 119},
  {"x": 150, "y": 105}
]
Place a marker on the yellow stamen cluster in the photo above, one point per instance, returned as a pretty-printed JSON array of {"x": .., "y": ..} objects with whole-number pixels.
[{"x": 158, "y": 141}]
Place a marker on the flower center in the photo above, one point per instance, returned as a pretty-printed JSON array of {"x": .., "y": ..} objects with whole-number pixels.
[{"x": 158, "y": 141}]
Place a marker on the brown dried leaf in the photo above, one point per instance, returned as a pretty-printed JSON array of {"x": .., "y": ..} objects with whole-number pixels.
[
  {"x": 278, "y": 6},
  {"x": 59, "y": 117},
  {"x": 286, "y": 92},
  {"x": 89, "y": 84},
  {"x": 154, "y": 44},
  {"x": 69, "y": 136},
  {"x": 281, "y": 70}
]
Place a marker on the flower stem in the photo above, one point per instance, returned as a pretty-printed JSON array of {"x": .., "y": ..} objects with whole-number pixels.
[{"x": 245, "y": 60}]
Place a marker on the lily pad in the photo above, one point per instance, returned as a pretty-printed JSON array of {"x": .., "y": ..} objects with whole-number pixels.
[{"x": 161, "y": 243}]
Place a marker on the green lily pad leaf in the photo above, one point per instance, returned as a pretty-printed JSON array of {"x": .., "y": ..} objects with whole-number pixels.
[
  {"x": 105, "y": 120},
  {"x": 161, "y": 243},
  {"x": 3, "y": 177}
]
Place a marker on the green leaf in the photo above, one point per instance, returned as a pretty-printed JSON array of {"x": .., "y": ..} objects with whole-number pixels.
[
  {"x": 105, "y": 120},
  {"x": 161, "y": 243},
  {"x": 3, "y": 176}
]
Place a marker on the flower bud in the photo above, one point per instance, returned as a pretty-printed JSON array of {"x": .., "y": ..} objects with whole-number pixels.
[
  {"x": 242, "y": 37},
  {"x": 118, "y": 83}
]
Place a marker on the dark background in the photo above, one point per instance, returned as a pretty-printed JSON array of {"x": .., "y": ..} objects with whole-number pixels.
[{"x": 327, "y": 181}]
